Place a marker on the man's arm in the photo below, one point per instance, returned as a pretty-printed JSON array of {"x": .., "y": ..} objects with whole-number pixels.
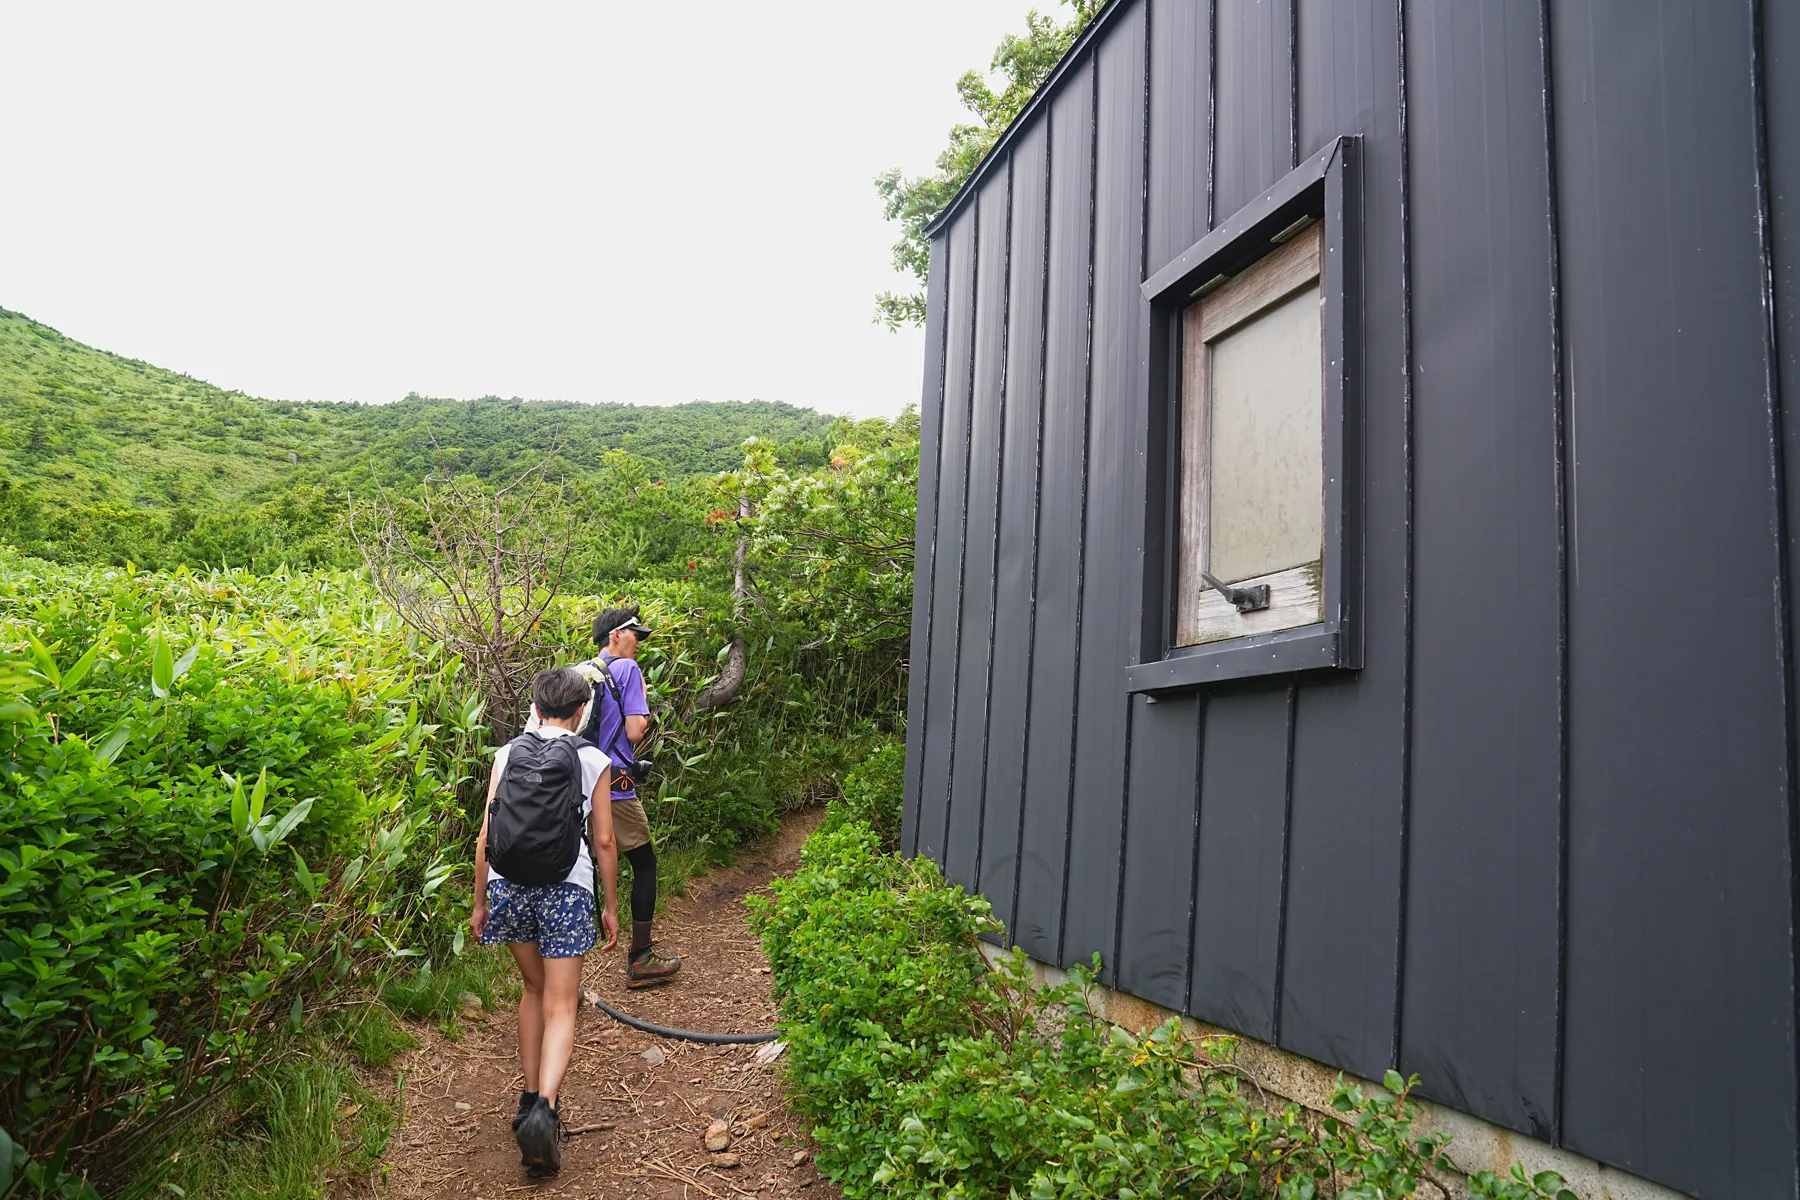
[
  {"x": 606, "y": 858},
  {"x": 634, "y": 701}
]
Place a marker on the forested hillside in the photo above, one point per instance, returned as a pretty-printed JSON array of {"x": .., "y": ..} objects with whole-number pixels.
[{"x": 108, "y": 458}]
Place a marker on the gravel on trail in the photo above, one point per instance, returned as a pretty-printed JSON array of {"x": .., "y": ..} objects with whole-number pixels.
[{"x": 637, "y": 1110}]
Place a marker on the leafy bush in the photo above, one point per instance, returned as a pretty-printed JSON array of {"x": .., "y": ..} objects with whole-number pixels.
[
  {"x": 221, "y": 799},
  {"x": 927, "y": 1073},
  {"x": 873, "y": 792}
]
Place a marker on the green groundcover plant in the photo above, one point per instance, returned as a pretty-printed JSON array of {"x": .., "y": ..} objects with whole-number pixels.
[{"x": 926, "y": 1072}]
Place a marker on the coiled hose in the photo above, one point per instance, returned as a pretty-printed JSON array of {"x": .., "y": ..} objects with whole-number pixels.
[{"x": 685, "y": 1035}]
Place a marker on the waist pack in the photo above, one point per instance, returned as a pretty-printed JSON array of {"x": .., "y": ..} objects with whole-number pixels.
[{"x": 534, "y": 822}]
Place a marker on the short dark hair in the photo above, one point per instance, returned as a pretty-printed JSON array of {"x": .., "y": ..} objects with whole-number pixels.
[
  {"x": 610, "y": 620},
  {"x": 560, "y": 692}
]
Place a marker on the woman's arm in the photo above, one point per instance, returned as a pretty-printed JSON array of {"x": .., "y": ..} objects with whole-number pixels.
[
  {"x": 479, "y": 914},
  {"x": 606, "y": 858}
]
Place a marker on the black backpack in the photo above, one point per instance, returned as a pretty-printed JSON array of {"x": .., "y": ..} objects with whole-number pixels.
[{"x": 534, "y": 823}]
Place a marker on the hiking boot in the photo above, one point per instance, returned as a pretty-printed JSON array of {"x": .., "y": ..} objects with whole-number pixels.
[
  {"x": 647, "y": 968},
  {"x": 526, "y": 1100},
  {"x": 540, "y": 1139}
]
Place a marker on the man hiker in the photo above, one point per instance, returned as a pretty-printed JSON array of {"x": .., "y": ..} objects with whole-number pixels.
[
  {"x": 621, "y": 719},
  {"x": 534, "y": 889}
]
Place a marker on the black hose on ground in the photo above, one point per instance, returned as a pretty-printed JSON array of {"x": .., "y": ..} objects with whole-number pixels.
[{"x": 686, "y": 1035}]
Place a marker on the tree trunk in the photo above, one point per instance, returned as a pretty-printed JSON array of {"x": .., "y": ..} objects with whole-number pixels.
[{"x": 724, "y": 689}]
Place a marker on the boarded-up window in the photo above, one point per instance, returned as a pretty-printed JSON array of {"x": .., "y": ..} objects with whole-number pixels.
[{"x": 1253, "y": 472}]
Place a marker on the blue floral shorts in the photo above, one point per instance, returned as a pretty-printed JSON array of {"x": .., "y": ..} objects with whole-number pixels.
[{"x": 559, "y": 917}]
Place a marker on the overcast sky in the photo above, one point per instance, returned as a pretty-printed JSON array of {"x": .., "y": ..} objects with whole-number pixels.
[{"x": 648, "y": 202}]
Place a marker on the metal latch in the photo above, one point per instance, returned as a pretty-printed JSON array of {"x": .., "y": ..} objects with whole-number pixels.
[{"x": 1250, "y": 599}]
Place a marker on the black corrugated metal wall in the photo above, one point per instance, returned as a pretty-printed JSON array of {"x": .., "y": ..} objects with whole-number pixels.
[{"x": 1539, "y": 848}]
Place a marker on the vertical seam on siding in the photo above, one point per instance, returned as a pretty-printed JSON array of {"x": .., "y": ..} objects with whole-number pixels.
[
  {"x": 937, "y": 510},
  {"x": 1130, "y": 704},
  {"x": 1784, "y": 649},
  {"x": 1037, "y": 522},
  {"x": 1559, "y": 452},
  {"x": 1287, "y": 841},
  {"x": 1087, "y": 425},
  {"x": 1124, "y": 826},
  {"x": 1212, "y": 108},
  {"x": 1293, "y": 84},
  {"x": 1406, "y": 607},
  {"x": 962, "y": 563},
  {"x": 1187, "y": 995},
  {"x": 987, "y": 700}
]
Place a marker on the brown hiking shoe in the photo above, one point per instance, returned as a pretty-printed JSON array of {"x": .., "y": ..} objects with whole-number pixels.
[{"x": 647, "y": 968}]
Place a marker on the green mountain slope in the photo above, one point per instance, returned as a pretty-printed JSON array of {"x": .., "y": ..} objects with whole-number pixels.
[{"x": 80, "y": 425}]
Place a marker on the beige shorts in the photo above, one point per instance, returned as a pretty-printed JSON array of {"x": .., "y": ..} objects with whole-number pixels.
[{"x": 631, "y": 825}]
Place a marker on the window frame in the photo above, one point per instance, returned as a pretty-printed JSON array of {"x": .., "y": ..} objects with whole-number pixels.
[{"x": 1324, "y": 188}]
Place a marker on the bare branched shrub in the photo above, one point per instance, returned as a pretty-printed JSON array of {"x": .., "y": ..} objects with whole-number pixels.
[{"x": 475, "y": 568}]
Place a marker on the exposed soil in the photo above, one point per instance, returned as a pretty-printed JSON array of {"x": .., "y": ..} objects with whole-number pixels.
[{"x": 636, "y": 1125}]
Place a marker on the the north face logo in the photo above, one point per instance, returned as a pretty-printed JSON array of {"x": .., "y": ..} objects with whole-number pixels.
[{"x": 534, "y": 777}]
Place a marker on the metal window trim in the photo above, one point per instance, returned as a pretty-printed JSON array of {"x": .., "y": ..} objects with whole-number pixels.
[{"x": 1325, "y": 186}]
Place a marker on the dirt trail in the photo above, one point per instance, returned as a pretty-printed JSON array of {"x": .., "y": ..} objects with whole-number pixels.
[{"x": 644, "y": 1119}]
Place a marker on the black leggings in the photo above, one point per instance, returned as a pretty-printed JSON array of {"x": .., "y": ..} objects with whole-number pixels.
[{"x": 643, "y": 881}]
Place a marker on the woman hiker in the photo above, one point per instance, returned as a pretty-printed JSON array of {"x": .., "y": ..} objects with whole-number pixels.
[{"x": 547, "y": 804}]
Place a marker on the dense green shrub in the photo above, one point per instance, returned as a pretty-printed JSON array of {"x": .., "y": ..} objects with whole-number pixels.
[
  {"x": 873, "y": 792},
  {"x": 221, "y": 799},
  {"x": 926, "y": 1073},
  {"x": 726, "y": 775}
]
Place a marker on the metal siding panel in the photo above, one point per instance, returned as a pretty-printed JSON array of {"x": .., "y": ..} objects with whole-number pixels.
[
  {"x": 1015, "y": 568},
  {"x": 1159, "y": 849},
  {"x": 1481, "y": 929},
  {"x": 1044, "y": 843},
  {"x": 931, "y": 411},
  {"x": 952, "y": 500},
  {"x": 1255, "y": 97},
  {"x": 1244, "y": 777},
  {"x": 1098, "y": 812},
  {"x": 1243, "y": 825},
  {"x": 1341, "y": 941},
  {"x": 968, "y": 771},
  {"x": 1157, "y": 895},
  {"x": 1180, "y": 81},
  {"x": 1679, "y": 897}
]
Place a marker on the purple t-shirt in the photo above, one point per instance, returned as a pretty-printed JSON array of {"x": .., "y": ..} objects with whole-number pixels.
[{"x": 630, "y": 678}]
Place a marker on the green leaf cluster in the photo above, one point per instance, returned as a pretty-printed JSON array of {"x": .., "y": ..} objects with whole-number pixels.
[
  {"x": 926, "y": 1072},
  {"x": 1023, "y": 62},
  {"x": 222, "y": 799}
]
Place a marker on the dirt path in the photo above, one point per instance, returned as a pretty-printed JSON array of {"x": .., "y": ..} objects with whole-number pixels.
[{"x": 644, "y": 1102}]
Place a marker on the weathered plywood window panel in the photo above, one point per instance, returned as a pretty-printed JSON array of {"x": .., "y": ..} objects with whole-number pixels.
[
  {"x": 1253, "y": 458},
  {"x": 1252, "y": 446}
]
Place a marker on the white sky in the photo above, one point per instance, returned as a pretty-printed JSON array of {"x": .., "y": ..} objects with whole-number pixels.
[{"x": 648, "y": 202}]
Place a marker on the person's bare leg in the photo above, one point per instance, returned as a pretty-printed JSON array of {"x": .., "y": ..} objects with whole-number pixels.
[
  {"x": 561, "y": 998},
  {"x": 531, "y": 1013}
]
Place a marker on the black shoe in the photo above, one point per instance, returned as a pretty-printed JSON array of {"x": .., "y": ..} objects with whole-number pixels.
[
  {"x": 526, "y": 1100},
  {"x": 540, "y": 1139}
]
